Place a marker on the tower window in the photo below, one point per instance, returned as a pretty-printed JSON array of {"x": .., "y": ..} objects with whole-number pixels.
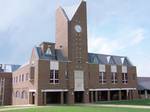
[{"x": 54, "y": 76}]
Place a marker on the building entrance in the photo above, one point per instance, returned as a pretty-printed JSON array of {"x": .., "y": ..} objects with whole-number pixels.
[
  {"x": 31, "y": 97},
  {"x": 53, "y": 98},
  {"x": 78, "y": 97}
]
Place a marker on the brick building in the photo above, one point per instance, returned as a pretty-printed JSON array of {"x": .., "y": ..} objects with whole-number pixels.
[
  {"x": 64, "y": 72},
  {"x": 6, "y": 83}
]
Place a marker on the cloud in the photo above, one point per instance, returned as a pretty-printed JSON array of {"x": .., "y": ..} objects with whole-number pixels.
[
  {"x": 143, "y": 69},
  {"x": 109, "y": 45},
  {"x": 138, "y": 36},
  {"x": 23, "y": 24}
]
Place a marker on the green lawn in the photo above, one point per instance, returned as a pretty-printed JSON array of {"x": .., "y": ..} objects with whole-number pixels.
[
  {"x": 85, "y": 108},
  {"x": 79, "y": 109},
  {"x": 130, "y": 102}
]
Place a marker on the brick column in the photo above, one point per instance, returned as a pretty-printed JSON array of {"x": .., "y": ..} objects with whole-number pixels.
[
  {"x": 108, "y": 95},
  {"x": 38, "y": 98},
  {"x": 91, "y": 96},
  {"x": 44, "y": 98},
  {"x": 130, "y": 93},
  {"x": 120, "y": 98},
  {"x": 99, "y": 96},
  {"x": 86, "y": 96},
  {"x": 127, "y": 94},
  {"x": 96, "y": 96},
  {"x": 70, "y": 99},
  {"x": 30, "y": 97},
  {"x": 62, "y": 97}
]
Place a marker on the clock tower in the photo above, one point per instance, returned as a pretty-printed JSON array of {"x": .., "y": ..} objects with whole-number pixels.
[
  {"x": 71, "y": 38},
  {"x": 71, "y": 33}
]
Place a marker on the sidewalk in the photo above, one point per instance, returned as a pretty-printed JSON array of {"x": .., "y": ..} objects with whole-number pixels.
[
  {"x": 119, "y": 106},
  {"x": 16, "y": 107}
]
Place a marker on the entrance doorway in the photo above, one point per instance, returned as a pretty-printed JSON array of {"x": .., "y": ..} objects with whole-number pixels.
[
  {"x": 32, "y": 98},
  {"x": 78, "y": 97},
  {"x": 114, "y": 95},
  {"x": 53, "y": 98},
  {"x": 124, "y": 95},
  {"x": 103, "y": 95}
]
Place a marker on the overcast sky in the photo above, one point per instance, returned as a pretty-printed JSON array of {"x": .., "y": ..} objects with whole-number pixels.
[{"x": 118, "y": 27}]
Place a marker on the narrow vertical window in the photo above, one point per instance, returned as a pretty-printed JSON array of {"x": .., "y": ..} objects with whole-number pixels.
[
  {"x": 51, "y": 76},
  {"x": 22, "y": 77},
  {"x": 54, "y": 76},
  {"x": 14, "y": 80},
  {"x": 102, "y": 78},
  {"x": 19, "y": 78},
  {"x": 114, "y": 77},
  {"x": 124, "y": 78},
  {"x": 27, "y": 76}
]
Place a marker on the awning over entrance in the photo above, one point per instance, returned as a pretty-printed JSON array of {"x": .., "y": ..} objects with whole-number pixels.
[
  {"x": 111, "y": 89},
  {"x": 54, "y": 90}
]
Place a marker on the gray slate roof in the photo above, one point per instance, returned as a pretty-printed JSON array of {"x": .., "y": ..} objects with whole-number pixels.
[
  {"x": 92, "y": 58},
  {"x": 56, "y": 55},
  {"x": 9, "y": 68},
  {"x": 144, "y": 83},
  {"x": 108, "y": 59}
]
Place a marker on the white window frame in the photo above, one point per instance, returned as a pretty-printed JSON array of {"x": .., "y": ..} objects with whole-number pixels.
[
  {"x": 114, "y": 81},
  {"x": 124, "y": 81},
  {"x": 54, "y": 79},
  {"x": 102, "y": 80}
]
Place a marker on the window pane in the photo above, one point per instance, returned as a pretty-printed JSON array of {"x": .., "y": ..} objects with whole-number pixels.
[
  {"x": 51, "y": 74},
  {"x": 51, "y": 81},
  {"x": 56, "y": 81},
  {"x": 56, "y": 74}
]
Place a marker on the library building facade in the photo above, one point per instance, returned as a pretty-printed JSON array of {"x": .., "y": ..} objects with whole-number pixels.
[{"x": 65, "y": 73}]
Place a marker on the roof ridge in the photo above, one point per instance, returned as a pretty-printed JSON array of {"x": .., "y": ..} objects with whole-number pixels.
[{"x": 71, "y": 10}]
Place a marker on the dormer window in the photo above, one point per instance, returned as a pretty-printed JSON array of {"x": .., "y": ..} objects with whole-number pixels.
[
  {"x": 122, "y": 60},
  {"x": 108, "y": 59},
  {"x": 95, "y": 60},
  {"x": 48, "y": 51}
]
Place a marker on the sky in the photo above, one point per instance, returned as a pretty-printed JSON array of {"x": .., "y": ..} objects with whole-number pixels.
[{"x": 117, "y": 27}]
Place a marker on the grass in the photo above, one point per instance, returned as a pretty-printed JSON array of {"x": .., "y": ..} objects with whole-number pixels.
[
  {"x": 78, "y": 109},
  {"x": 145, "y": 102},
  {"x": 83, "y": 108}
]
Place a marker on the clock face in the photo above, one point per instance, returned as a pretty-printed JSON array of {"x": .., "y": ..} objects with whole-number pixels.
[{"x": 78, "y": 28}]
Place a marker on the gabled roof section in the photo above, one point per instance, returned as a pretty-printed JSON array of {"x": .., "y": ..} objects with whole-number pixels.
[
  {"x": 95, "y": 59},
  {"x": 112, "y": 61},
  {"x": 126, "y": 61},
  {"x": 71, "y": 10},
  {"x": 108, "y": 59},
  {"x": 48, "y": 51},
  {"x": 56, "y": 55},
  {"x": 63, "y": 12}
]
